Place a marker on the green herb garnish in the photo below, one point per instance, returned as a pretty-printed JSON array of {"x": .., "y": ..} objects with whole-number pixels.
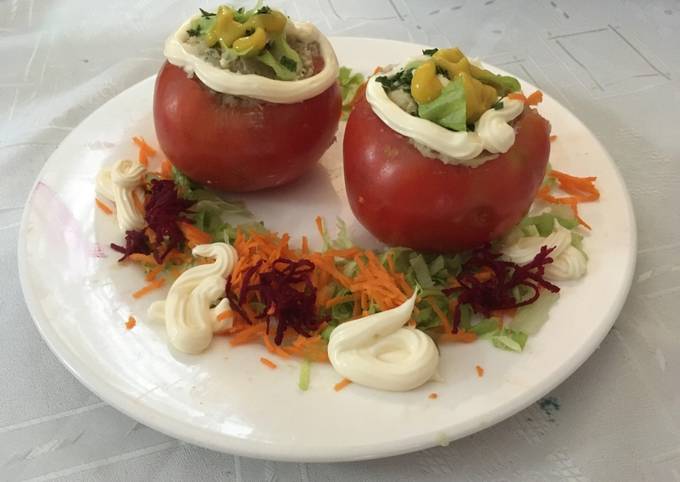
[
  {"x": 205, "y": 14},
  {"x": 430, "y": 52},
  {"x": 288, "y": 63}
]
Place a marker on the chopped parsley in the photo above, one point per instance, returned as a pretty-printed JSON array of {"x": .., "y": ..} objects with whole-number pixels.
[
  {"x": 194, "y": 32},
  {"x": 430, "y": 52},
  {"x": 263, "y": 10},
  {"x": 400, "y": 80},
  {"x": 498, "y": 105},
  {"x": 205, "y": 14}
]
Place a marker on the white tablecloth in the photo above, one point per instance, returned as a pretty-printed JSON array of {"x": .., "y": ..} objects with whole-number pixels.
[{"x": 615, "y": 63}]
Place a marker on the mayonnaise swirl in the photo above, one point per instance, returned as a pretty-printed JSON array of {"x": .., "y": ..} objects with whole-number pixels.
[
  {"x": 189, "y": 319},
  {"x": 251, "y": 85},
  {"x": 568, "y": 262},
  {"x": 492, "y": 131},
  {"x": 118, "y": 184},
  {"x": 379, "y": 352}
]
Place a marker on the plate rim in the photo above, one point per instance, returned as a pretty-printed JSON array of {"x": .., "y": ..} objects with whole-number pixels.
[{"x": 243, "y": 447}]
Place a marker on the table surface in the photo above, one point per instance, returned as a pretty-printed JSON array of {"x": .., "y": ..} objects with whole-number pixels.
[{"x": 615, "y": 63}]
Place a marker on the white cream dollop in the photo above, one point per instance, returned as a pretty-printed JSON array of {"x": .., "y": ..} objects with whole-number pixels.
[
  {"x": 256, "y": 86},
  {"x": 189, "y": 320},
  {"x": 568, "y": 262},
  {"x": 492, "y": 131},
  {"x": 118, "y": 184},
  {"x": 380, "y": 352}
]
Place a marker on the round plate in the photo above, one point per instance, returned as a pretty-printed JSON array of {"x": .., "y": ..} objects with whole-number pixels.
[{"x": 225, "y": 399}]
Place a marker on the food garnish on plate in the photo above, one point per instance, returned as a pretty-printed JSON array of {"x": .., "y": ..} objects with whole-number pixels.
[{"x": 488, "y": 269}]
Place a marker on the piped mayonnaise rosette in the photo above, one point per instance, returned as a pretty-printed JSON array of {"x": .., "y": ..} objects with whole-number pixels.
[
  {"x": 380, "y": 352},
  {"x": 448, "y": 104},
  {"x": 120, "y": 184},
  {"x": 181, "y": 53},
  {"x": 188, "y": 312}
]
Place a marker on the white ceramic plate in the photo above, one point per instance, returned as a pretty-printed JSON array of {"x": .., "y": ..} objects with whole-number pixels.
[{"x": 225, "y": 399}]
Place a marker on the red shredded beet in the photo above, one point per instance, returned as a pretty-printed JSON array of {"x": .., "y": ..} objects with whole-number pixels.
[
  {"x": 135, "y": 242},
  {"x": 496, "y": 292},
  {"x": 163, "y": 208},
  {"x": 287, "y": 293}
]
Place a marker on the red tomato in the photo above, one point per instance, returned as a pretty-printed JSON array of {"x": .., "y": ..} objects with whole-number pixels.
[
  {"x": 406, "y": 199},
  {"x": 242, "y": 147}
]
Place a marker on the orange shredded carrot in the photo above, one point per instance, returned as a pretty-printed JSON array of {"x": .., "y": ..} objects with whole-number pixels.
[
  {"x": 151, "y": 275},
  {"x": 248, "y": 334},
  {"x": 194, "y": 235},
  {"x": 153, "y": 285},
  {"x": 166, "y": 169},
  {"x": 130, "y": 323},
  {"x": 305, "y": 245},
  {"x": 480, "y": 371},
  {"x": 268, "y": 363},
  {"x": 461, "y": 336},
  {"x": 433, "y": 396},
  {"x": 342, "y": 384},
  {"x": 440, "y": 314},
  {"x": 571, "y": 201},
  {"x": 224, "y": 315},
  {"x": 339, "y": 300},
  {"x": 103, "y": 207},
  {"x": 582, "y": 188},
  {"x": 535, "y": 98},
  {"x": 145, "y": 150},
  {"x": 517, "y": 96}
]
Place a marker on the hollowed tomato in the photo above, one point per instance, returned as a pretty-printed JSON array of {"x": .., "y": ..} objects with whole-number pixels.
[
  {"x": 240, "y": 145},
  {"x": 406, "y": 199}
]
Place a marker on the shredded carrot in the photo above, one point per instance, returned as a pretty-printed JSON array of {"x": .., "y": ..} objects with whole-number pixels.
[
  {"x": 268, "y": 363},
  {"x": 571, "y": 201},
  {"x": 151, "y": 275},
  {"x": 166, "y": 169},
  {"x": 535, "y": 98},
  {"x": 194, "y": 235},
  {"x": 582, "y": 188},
  {"x": 153, "y": 285},
  {"x": 305, "y": 245},
  {"x": 130, "y": 323},
  {"x": 145, "y": 150},
  {"x": 517, "y": 96},
  {"x": 461, "y": 336},
  {"x": 440, "y": 314},
  {"x": 224, "y": 315},
  {"x": 342, "y": 384},
  {"x": 248, "y": 334},
  {"x": 480, "y": 371},
  {"x": 338, "y": 300},
  {"x": 433, "y": 396},
  {"x": 103, "y": 207}
]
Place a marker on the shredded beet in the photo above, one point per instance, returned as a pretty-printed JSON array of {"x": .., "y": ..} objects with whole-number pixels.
[
  {"x": 495, "y": 293},
  {"x": 287, "y": 293},
  {"x": 135, "y": 242},
  {"x": 162, "y": 210}
]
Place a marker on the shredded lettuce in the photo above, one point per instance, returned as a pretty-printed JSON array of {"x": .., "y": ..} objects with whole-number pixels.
[
  {"x": 530, "y": 318},
  {"x": 449, "y": 108},
  {"x": 342, "y": 239},
  {"x": 349, "y": 85},
  {"x": 305, "y": 369}
]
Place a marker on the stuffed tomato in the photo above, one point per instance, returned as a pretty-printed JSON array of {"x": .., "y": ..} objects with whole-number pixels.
[
  {"x": 443, "y": 155},
  {"x": 247, "y": 99}
]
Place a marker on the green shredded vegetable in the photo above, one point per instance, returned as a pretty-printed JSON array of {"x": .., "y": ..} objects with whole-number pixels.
[
  {"x": 449, "y": 108},
  {"x": 305, "y": 369},
  {"x": 349, "y": 85}
]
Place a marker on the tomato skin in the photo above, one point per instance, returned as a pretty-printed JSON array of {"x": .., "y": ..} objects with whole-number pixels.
[
  {"x": 406, "y": 199},
  {"x": 243, "y": 147}
]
